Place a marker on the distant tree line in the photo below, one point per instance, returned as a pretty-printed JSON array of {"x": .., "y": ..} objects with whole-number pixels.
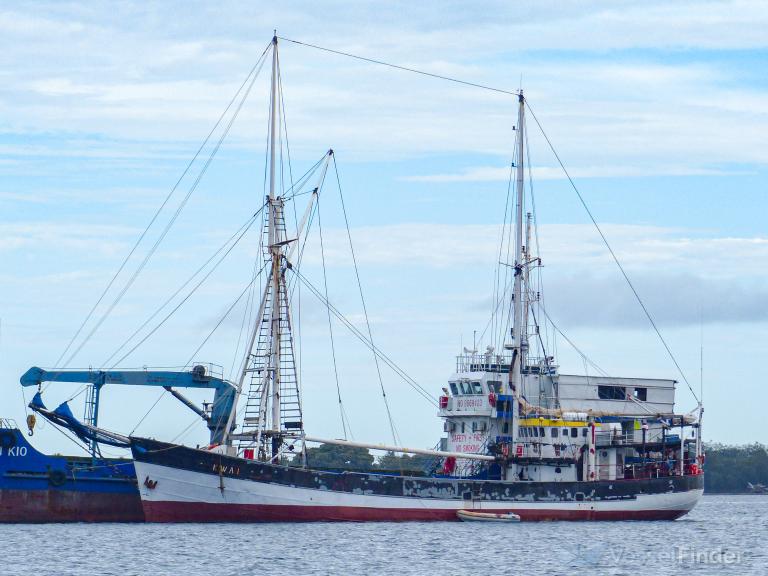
[
  {"x": 728, "y": 469},
  {"x": 337, "y": 457}
]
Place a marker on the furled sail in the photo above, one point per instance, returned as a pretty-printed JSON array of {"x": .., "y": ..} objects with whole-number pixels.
[{"x": 63, "y": 416}]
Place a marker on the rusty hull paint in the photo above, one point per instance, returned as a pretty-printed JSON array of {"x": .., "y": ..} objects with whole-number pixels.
[{"x": 38, "y": 506}]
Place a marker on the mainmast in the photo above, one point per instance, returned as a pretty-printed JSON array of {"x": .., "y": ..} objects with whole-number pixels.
[
  {"x": 519, "y": 331},
  {"x": 274, "y": 249}
]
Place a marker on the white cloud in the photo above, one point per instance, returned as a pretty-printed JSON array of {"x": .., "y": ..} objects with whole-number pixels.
[
  {"x": 564, "y": 247},
  {"x": 495, "y": 174},
  {"x": 41, "y": 237},
  {"x": 602, "y": 108}
]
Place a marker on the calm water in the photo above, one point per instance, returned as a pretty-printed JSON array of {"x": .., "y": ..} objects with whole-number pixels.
[{"x": 724, "y": 535}]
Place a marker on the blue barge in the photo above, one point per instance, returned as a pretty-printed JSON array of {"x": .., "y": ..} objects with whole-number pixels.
[{"x": 36, "y": 487}]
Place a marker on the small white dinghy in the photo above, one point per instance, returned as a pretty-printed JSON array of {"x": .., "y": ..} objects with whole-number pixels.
[{"x": 469, "y": 516}]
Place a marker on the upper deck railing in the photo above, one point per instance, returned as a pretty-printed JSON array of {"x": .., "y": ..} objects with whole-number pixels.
[
  {"x": 7, "y": 423},
  {"x": 490, "y": 361}
]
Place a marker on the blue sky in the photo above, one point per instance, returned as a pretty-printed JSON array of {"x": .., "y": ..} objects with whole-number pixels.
[{"x": 659, "y": 111}]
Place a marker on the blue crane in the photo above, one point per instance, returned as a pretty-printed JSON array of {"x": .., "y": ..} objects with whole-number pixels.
[{"x": 198, "y": 377}]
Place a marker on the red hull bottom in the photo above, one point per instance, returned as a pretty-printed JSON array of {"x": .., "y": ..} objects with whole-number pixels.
[
  {"x": 204, "y": 512},
  {"x": 35, "y": 506}
]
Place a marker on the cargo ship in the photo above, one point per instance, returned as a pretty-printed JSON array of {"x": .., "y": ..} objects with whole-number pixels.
[{"x": 521, "y": 438}]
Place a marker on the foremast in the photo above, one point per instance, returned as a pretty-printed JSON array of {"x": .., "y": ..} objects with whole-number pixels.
[
  {"x": 275, "y": 255},
  {"x": 273, "y": 406}
]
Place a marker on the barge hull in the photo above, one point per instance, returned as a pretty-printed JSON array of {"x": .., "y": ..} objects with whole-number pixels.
[
  {"x": 37, "y": 488},
  {"x": 55, "y": 505}
]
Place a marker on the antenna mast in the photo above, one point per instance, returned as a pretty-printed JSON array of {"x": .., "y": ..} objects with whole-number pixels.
[{"x": 519, "y": 336}]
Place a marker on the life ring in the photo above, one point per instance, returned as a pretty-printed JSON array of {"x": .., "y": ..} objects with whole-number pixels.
[
  {"x": 492, "y": 399},
  {"x": 7, "y": 440},
  {"x": 57, "y": 477}
]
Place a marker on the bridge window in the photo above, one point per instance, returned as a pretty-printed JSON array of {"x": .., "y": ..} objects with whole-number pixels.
[
  {"x": 554, "y": 432},
  {"x": 494, "y": 386},
  {"x": 477, "y": 388},
  {"x": 612, "y": 392},
  {"x": 454, "y": 388},
  {"x": 641, "y": 394},
  {"x": 574, "y": 432},
  {"x": 465, "y": 388},
  {"x": 584, "y": 432}
]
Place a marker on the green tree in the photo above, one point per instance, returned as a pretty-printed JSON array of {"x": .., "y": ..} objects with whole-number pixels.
[
  {"x": 339, "y": 457},
  {"x": 728, "y": 468},
  {"x": 416, "y": 463}
]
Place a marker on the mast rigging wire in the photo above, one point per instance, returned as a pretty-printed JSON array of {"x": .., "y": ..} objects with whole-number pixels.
[
  {"x": 395, "y": 436},
  {"x": 330, "y": 323},
  {"x": 613, "y": 254},
  {"x": 364, "y": 339},
  {"x": 182, "y": 302},
  {"x": 168, "y": 226},
  {"x": 569, "y": 341},
  {"x": 298, "y": 350},
  {"x": 239, "y": 235},
  {"x": 541, "y": 301},
  {"x": 236, "y": 237},
  {"x": 200, "y": 347},
  {"x": 296, "y": 288},
  {"x": 581, "y": 199},
  {"x": 248, "y": 311},
  {"x": 403, "y": 68},
  {"x": 109, "y": 285},
  {"x": 249, "y": 308},
  {"x": 497, "y": 271}
]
